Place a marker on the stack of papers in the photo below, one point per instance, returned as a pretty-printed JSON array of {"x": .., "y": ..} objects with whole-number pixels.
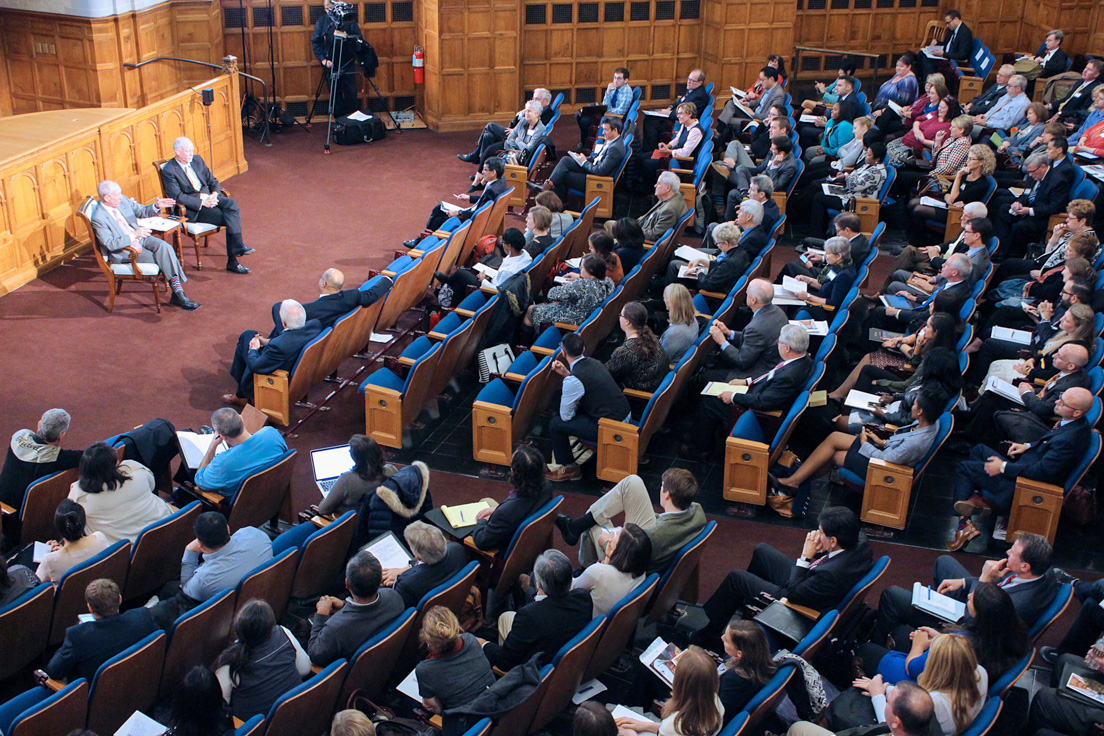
[
  {"x": 194, "y": 446},
  {"x": 794, "y": 286},
  {"x": 833, "y": 189},
  {"x": 896, "y": 108},
  {"x": 162, "y": 225},
  {"x": 390, "y": 552},
  {"x": 450, "y": 208},
  {"x": 139, "y": 724},
  {"x": 933, "y": 202},
  {"x": 862, "y": 400},
  {"x": 1096, "y": 171},
  {"x": 688, "y": 254},
  {"x": 784, "y": 298},
  {"x": 1001, "y": 387},
  {"x": 716, "y": 388},
  {"x": 464, "y": 515},
  {"x": 1020, "y": 337},
  {"x": 738, "y": 92},
  {"x": 812, "y": 326},
  {"x": 937, "y": 604},
  {"x": 620, "y": 711}
]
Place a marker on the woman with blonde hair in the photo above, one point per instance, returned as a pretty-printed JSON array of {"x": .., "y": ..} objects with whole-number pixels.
[
  {"x": 694, "y": 709},
  {"x": 1076, "y": 325},
  {"x": 351, "y": 722},
  {"x": 968, "y": 184},
  {"x": 455, "y": 671},
  {"x": 682, "y": 325}
]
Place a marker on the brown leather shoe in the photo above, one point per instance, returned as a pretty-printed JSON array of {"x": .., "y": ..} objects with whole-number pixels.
[
  {"x": 234, "y": 400},
  {"x": 564, "y": 472},
  {"x": 973, "y": 506},
  {"x": 782, "y": 505},
  {"x": 962, "y": 536}
]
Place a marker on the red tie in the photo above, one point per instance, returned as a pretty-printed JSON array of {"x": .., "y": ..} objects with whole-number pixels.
[
  {"x": 127, "y": 229},
  {"x": 757, "y": 379},
  {"x": 817, "y": 561}
]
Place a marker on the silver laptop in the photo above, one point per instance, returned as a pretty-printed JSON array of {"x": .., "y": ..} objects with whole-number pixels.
[{"x": 329, "y": 463}]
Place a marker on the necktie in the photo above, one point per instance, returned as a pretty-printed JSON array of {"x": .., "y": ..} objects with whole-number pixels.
[
  {"x": 951, "y": 246},
  {"x": 1033, "y": 192},
  {"x": 817, "y": 561},
  {"x": 127, "y": 229},
  {"x": 192, "y": 177},
  {"x": 1049, "y": 383},
  {"x": 765, "y": 376},
  {"x": 1070, "y": 96}
]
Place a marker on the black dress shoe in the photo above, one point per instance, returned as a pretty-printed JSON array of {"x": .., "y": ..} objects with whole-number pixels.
[
  {"x": 534, "y": 187},
  {"x": 1064, "y": 577},
  {"x": 1049, "y": 654},
  {"x": 475, "y": 188},
  {"x": 466, "y": 158},
  {"x": 570, "y": 538},
  {"x": 442, "y": 277},
  {"x": 180, "y": 299},
  {"x": 237, "y": 268},
  {"x": 245, "y": 251},
  {"x": 410, "y": 243}
]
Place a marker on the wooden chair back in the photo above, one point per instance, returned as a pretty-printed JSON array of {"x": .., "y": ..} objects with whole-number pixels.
[
  {"x": 372, "y": 667},
  {"x": 364, "y": 323},
  {"x": 112, "y": 563},
  {"x": 154, "y": 559},
  {"x": 466, "y": 348},
  {"x": 84, "y": 213},
  {"x": 340, "y": 345},
  {"x": 479, "y": 227},
  {"x": 578, "y": 244},
  {"x": 410, "y": 286},
  {"x": 308, "y": 708},
  {"x": 457, "y": 242},
  {"x": 567, "y": 674},
  {"x": 767, "y": 700},
  {"x": 986, "y": 719},
  {"x": 270, "y": 582},
  {"x": 681, "y": 573},
  {"x": 517, "y": 722},
  {"x": 197, "y": 637},
  {"x": 261, "y": 495},
  {"x": 322, "y": 558},
  {"x": 531, "y": 538},
  {"x": 25, "y": 628},
  {"x": 309, "y": 369},
  {"x": 811, "y": 643},
  {"x": 496, "y": 222},
  {"x": 114, "y": 280},
  {"x": 1011, "y": 676},
  {"x": 125, "y": 683},
  {"x": 255, "y": 726},
  {"x": 534, "y": 396},
  {"x": 855, "y": 597},
  {"x": 542, "y": 265},
  {"x": 1053, "y": 612},
  {"x": 62, "y": 712},
  {"x": 620, "y": 627},
  {"x": 40, "y": 501}
]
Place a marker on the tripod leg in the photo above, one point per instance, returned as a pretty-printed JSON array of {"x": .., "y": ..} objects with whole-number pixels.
[{"x": 317, "y": 94}]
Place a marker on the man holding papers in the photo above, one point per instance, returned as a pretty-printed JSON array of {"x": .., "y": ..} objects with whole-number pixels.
[
  {"x": 754, "y": 349},
  {"x": 493, "y": 168},
  {"x": 245, "y": 454},
  {"x": 435, "y": 561},
  {"x": 987, "y": 481},
  {"x": 975, "y": 239},
  {"x": 900, "y": 310},
  {"x": 914, "y": 257}
]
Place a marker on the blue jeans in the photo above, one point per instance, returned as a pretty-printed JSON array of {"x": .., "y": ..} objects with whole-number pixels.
[{"x": 583, "y": 427}]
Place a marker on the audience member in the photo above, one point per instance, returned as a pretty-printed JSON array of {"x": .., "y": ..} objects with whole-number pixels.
[
  {"x": 593, "y": 719},
  {"x": 496, "y": 526},
  {"x": 245, "y": 453},
  {"x": 1088, "y": 137},
  {"x": 779, "y": 166},
  {"x": 491, "y": 172},
  {"x": 696, "y": 94},
  {"x": 261, "y": 665},
  {"x": 914, "y": 257},
  {"x": 73, "y": 546},
  {"x": 508, "y": 259},
  {"x": 367, "y": 474},
  {"x": 682, "y": 324},
  {"x": 970, "y": 183},
  {"x": 628, "y": 238},
  {"x": 119, "y": 497},
  {"x": 749, "y": 665},
  {"x": 1074, "y": 106},
  {"x": 35, "y": 454},
  {"x": 601, "y": 244},
  {"x": 665, "y": 213},
  {"x": 623, "y": 566},
  {"x": 908, "y": 712},
  {"x": 833, "y": 283},
  {"x": 493, "y": 135},
  {"x": 985, "y": 101},
  {"x": 976, "y": 234},
  {"x": 1022, "y": 219},
  {"x": 864, "y": 181},
  {"x": 198, "y": 708},
  {"x": 571, "y": 170},
  {"x": 617, "y": 100},
  {"x": 90, "y": 644},
  {"x": 901, "y": 89},
  {"x": 719, "y": 274},
  {"x": 848, "y": 226},
  {"x": 334, "y": 301},
  {"x": 256, "y": 355},
  {"x": 753, "y": 350},
  {"x": 573, "y": 301},
  {"x": 694, "y": 708},
  {"x": 351, "y": 722},
  {"x": 638, "y": 363},
  {"x": 537, "y": 225},
  {"x": 339, "y": 627},
  {"x": 456, "y": 670},
  {"x": 435, "y": 561}
]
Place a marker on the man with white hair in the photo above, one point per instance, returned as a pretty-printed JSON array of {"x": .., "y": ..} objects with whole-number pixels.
[
  {"x": 1011, "y": 109},
  {"x": 984, "y": 102},
  {"x": 494, "y": 134},
  {"x": 666, "y": 212},
  {"x": 753, "y": 350},
  {"x": 115, "y": 222},
  {"x": 186, "y": 179},
  {"x": 35, "y": 454},
  {"x": 335, "y": 301},
  {"x": 261, "y": 355}
]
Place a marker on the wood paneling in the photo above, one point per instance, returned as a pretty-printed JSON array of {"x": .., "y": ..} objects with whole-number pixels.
[
  {"x": 41, "y": 190},
  {"x": 739, "y": 36}
]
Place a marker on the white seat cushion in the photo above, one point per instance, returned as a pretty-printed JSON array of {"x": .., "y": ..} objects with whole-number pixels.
[
  {"x": 124, "y": 269},
  {"x": 199, "y": 228}
]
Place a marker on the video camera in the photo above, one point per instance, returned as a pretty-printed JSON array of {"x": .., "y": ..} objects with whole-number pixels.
[{"x": 340, "y": 10}]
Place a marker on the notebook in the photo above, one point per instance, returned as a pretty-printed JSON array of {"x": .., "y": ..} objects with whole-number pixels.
[
  {"x": 329, "y": 463},
  {"x": 937, "y": 604}
]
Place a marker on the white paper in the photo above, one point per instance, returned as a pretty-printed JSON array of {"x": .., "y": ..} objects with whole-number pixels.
[
  {"x": 785, "y": 298},
  {"x": 833, "y": 189},
  {"x": 379, "y": 337},
  {"x": 562, "y": 280},
  {"x": 861, "y": 400},
  {"x": 450, "y": 208},
  {"x": 620, "y": 711},
  {"x": 656, "y": 113},
  {"x": 1001, "y": 387},
  {"x": 792, "y": 285},
  {"x": 1096, "y": 171},
  {"x": 40, "y": 551},
  {"x": 893, "y": 407},
  {"x": 480, "y": 268},
  {"x": 194, "y": 446},
  {"x": 576, "y": 262},
  {"x": 587, "y": 691},
  {"x": 691, "y": 272},
  {"x": 896, "y": 108},
  {"x": 812, "y": 326},
  {"x": 159, "y": 224},
  {"x": 1020, "y": 337},
  {"x": 933, "y": 202},
  {"x": 389, "y": 552},
  {"x": 810, "y": 119},
  {"x": 933, "y": 52},
  {"x": 686, "y": 253},
  {"x": 139, "y": 724},
  {"x": 409, "y": 687},
  {"x": 738, "y": 92},
  {"x": 937, "y": 604},
  {"x": 1086, "y": 155},
  {"x": 358, "y": 115}
]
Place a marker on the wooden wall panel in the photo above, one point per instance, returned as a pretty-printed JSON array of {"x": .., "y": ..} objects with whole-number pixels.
[{"x": 41, "y": 190}]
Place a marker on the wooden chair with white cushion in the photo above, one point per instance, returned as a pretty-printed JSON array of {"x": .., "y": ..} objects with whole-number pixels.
[{"x": 117, "y": 273}]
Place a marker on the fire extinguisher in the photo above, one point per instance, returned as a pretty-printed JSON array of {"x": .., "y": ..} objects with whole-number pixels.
[{"x": 419, "y": 65}]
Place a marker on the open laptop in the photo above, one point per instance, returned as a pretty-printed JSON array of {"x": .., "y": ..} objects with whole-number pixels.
[{"x": 329, "y": 463}]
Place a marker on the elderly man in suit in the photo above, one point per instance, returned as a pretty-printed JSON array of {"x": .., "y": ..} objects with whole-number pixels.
[
  {"x": 186, "y": 179},
  {"x": 1074, "y": 107},
  {"x": 571, "y": 170},
  {"x": 975, "y": 242},
  {"x": 954, "y": 279},
  {"x": 833, "y": 558},
  {"x": 436, "y": 560},
  {"x": 1021, "y": 220},
  {"x": 753, "y": 350},
  {"x": 987, "y": 481},
  {"x": 334, "y": 301},
  {"x": 665, "y": 213},
  {"x": 256, "y": 354},
  {"x": 695, "y": 93},
  {"x": 985, "y": 102},
  {"x": 681, "y": 520},
  {"x": 115, "y": 222}
]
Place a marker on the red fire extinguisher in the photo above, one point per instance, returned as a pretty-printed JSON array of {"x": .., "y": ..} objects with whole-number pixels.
[{"x": 419, "y": 65}]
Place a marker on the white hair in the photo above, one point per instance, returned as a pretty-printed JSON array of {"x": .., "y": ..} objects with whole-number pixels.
[
  {"x": 181, "y": 142},
  {"x": 838, "y": 246},
  {"x": 961, "y": 263},
  {"x": 107, "y": 187},
  {"x": 671, "y": 179},
  {"x": 292, "y": 314},
  {"x": 975, "y": 209},
  {"x": 795, "y": 337},
  {"x": 753, "y": 208},
  {"x": 1018, "y": 81},
  {"x": 53, "y": 424},
  {"x": 540, "y": 93},
  {"x": 535, "y": 106}
]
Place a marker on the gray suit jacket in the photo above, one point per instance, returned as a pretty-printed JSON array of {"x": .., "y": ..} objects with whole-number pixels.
[
  {"x": 754, "y": 351},
  {"x": 607, "y": 160},
  {"x": 979, "y": 259},
  {"x": 772, "y": 97},
  {"x": 671, "y": 532},
  {"x": 662, "y": 217},
  {"x": 109, "y": 235}
]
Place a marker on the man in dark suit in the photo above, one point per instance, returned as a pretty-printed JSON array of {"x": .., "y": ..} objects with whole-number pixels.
[
  {"x": 754, "y": 350},
  {"x": 493, "y": 168},
  {"x": 89, "y": 645},
  {"x": 654, "y": 126},
  {"x": 256, "y": 354},
  {"x": 435, "y": 561},
  {"x": 1074, "y": 107},
  {"x": 339, "y": 627},
  {"x": 556, "y": 615},
  {"x": 974, "y": 245},
  {"x": 779, "y": 164},
  {"x": 1024, "y": 219},
  {"x": 334, "y": 301},
  {"x": 984, "y": 102},
  {"x": 833, "y": 558},
  {"x": 954, "y": 279},
  {"x": 1023, "y": 574},
  {"x": 187, "y": 179},
  {"x": 571, "y": 170},
  {"x": 493, "y": 133},
  {"x": 958, "y": 46},
  {"x": 987, "y": 482},
  {"x": 1051, "y": 55},
  {"x": 665, "y": 213}
]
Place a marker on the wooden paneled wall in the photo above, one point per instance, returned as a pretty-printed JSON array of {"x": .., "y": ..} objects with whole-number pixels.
[
  {"x": 740, "y": 35},
  {"x": 41, "y": 190}
]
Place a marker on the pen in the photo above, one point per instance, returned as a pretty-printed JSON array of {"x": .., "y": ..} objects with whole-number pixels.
[{"x": 461, "y": 517}]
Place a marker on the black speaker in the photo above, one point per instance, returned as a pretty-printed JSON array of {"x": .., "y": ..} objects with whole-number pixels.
[{"x": 207, "y": 96}]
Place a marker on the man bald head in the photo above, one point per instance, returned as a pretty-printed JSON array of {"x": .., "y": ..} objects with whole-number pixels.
[
  {"x": 760, "y": 293},
  {"x": 332, "y": 281},
  {"x": 1074, "y": 356},
  {"x": 1076, "y": 402}
]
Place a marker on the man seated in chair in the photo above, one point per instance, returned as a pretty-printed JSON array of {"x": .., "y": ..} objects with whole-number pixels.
[
  {"x": 493, "y": 168},
  {"x": 334, "y": 301},
  {"x": 115, "y": 222},
  {"x": 187, "y": 180},
  {"x": 339, "y": 627},
  {"x": 493, "y": 133},
  {"x": 665, "y": 213},
  {"x": 88, "y": 645},
  {"x": 833, "y": 559},
  {"x": 245, "y": 453},
  {"x": 33, "y": 455},
  {"x": 571, "y": 170},
  {"x": 261, "y": 355},
  {"x": 556, "y": 615},
  {"x": 436, "y": 560},
  {"x": 975, "y": 238},
  {"x": 681, "y": 520},
  {"x": 214, "y": 561}
]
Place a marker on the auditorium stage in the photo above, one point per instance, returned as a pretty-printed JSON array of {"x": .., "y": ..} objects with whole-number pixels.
[{"x": 23, "y": 133}]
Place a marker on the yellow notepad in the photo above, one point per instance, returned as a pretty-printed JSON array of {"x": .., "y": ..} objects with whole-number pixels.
[
  {"x": 464, "y": 515},
  {"x": 716, "y": 388}
]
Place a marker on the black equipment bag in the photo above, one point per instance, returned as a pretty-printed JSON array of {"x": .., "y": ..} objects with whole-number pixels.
[{"x": 348, "y": 132}]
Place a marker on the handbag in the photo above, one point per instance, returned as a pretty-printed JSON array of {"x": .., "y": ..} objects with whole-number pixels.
[
  {"x": 495, "y": 359},
  {"x": 1079, "y": 505}
]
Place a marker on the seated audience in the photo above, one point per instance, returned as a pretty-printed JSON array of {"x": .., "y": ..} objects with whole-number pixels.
[
  {"x": 496, "y": 526},
  {"x": 256, "y": 355},
  {"x": 1089, "y": 138},
  {"x": 827, "y": 290},
  {"x": 508, "y": 259},
  {"x": 339, "y": 627},
  {"x": 758, "y": 100},
  {"x": 667, "y": 211},
  {"x": 197, "y": 706},
  {"x": 522, "y": 141},
  {"x": 88, "y": 645},
  {"x": 985, "y": 101},
  {"x": 556, "y": 615},
  {"x": 33, "y": 455},
  {"x": 537, "y": 225},
  {"x": 628, "y": 239},
  {"x": 949, "y": 149},
  {"x": 761, "y": 190},
  {"x": 245, "y": 453},
  {"x": 561, "y": 220},
  {"x": 601, "y": 244},
  {"x": 623, "y": 566},
  {"x": 925, "y": 128},
  {"x": 574, "y": 301},
  {"x": 351, "y": 722},
  {"x": 830, "y": 94},
  {"x": 394, "y": 503},
  {"x": 902, "y": 89},
  {"x": 640, "y": 362},
  {"x": 334, "y": 301},
  {"x": 921, "y": 257},
  {"x": 493, "y": 135},
  {"x": 571, "y": 170},
  {"x": 970, "y": 183},
  {"x": 73, "y": 546},
  {"x": 15, "y": 580},
  {"x": 696, "y": 94},
  {"x": 908, "y": 712},
  {"x": 262, "y": 664},
  {"x": 682, "y": 323},
  {"x": 1023, "y": 219},
  {"x": 456, "y": 670},
  {"x": 1010, "y": 110},
  {"x": 837, "y": 133},
  {"x": 976, "y": 234},
  {"x": 369, "y": 471},
  {"x": 1050, "y": 56},
  {"x": 833, "y": 558},
  {"x": 864, "y": 181},
  {"x": 617, "y": 100},
  {"x": 1017, "y": 145},
  {"x": 849, "y": 155},
  {"x": 779, "y": 166},
  {"x": 749, "y": 665},
  {"x": 681, "y": 520},
  {"x": 720, "y": 274},
  {"x": 847, "y": 226},
  {"x": 954, "y": 281},
  {"x": 1000, "y": 358},
  {"x": 736, "y": 154},
  {"x": 1052, "y": 713},
  {"x": 694, "y": 708},
  {"x": 1080, "y": 214},
  {"x": 119, "y": 497},
  {"x": 752, "y": 350},
  {"x": 436, "y": 560},
  {"x": 1074, "y": 107},
  {"x": 492, "y": 171},
  {"x": 683, "y": 144}
]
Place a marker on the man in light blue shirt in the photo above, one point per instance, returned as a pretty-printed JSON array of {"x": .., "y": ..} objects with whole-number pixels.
[
  {"x": 1011, "y": 109},
  {"x": 618, "y": 99},
  {"x": 244, "y": 455}
]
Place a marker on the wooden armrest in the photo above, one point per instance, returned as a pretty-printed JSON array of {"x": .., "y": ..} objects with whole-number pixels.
[
  {"x": 388, "y": 274},
  {"x": 482, "y": 552},
  {"x": 539, "y": 350},
  {"x": 513, "y": 377},
  {"x": 441, "y": 233},
  {"x": 415, "y": 253},
  {"x": 322, "y": 521},
  {"x": 488, "y": 289},
  {"x": 713, "y": 295},
  {"x": 6, "y": 509},
  {"x": 682, "y": 158},
  {"x": 803, "y": 610},
  {"x": 407, "y": 361},
  {"x": 238, "y": 723},
  {"x": 464, "y": 312},
  {"x": 315, "y": 669},
  {"x": 633, "y": 393},
  {"x": 888, "y": 466},
  {"x": 1040, "y": 382},
  {"x": 763, "y": 413},
  {"x": 566, "y": 326},
  {"x": 209, "y": 496},
  {"x": 54, "y": 685},
  {"x": 893, "y": 427},
  {"x": 436, "y": 721},
  {"x": 1038, "y": 486},
  {"x": 573, "y": 213},
  {"x": 827, "y": 307},
  {"x": 436, "y": 335},
  {"x": 617, "y": 426}
]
